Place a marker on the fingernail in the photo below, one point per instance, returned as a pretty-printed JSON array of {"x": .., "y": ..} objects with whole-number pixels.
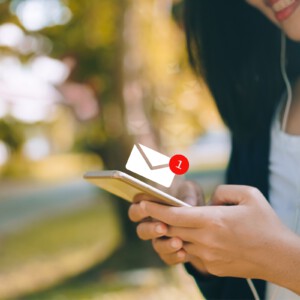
[
  {"x": 143, "y": 204},
  {"x": 175, "y": 244},
  {"x": 159, "y": 229}
]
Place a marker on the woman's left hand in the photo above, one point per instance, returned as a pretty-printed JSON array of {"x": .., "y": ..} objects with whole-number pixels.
[{"x": 237, "y": 236}]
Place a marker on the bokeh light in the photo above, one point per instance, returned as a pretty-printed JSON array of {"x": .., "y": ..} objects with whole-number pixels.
[
  {"x": 37, "y": 148},
  {"x": 10, "y": 35},
  {"x": 38, "y": 14},
  {"x": 80, "y": 83}
]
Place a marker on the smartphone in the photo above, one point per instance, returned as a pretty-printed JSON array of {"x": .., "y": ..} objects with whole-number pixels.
[{"x": 126, "y": 187}]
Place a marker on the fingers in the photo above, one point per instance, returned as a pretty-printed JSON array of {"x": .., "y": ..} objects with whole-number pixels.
[
  {"x": 185, "y": 234},
  {"x": 167, "y": 246},
  {"x": 178, "y": 257},
  {"x": 191, "y": 193},
  {"x": 191, "y": 249},
  {"x": 136, "y": 213},
  {"x": 151, "y": 230},
  {"x": 234, "y": 194},
  {"x": 169, "y": 249},
  {"x": 142, "y": 197},
  {"x": 188, "y": 191},
  {"x": 193, "y": 217}
]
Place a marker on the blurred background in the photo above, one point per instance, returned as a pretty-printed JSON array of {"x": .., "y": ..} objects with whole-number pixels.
[{"x": 80, "y": 83}]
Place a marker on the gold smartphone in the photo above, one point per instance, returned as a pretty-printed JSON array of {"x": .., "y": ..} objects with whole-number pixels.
[{"x": 126, "y": 187}]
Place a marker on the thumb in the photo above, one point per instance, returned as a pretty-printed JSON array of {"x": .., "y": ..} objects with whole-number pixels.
[
  {"x": 232, "y": 194},
  {"x": 191, "y": 193}
]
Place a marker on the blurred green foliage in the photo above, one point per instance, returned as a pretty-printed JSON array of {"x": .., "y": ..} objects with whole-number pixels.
[
  {"x": 92, "y": 40},
  {"x": 131, "y": 56}
]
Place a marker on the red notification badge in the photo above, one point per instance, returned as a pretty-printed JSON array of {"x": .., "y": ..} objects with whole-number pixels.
[{"x": 179, "y": 164}]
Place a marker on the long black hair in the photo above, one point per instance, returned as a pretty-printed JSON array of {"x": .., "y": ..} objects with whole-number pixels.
[{"x": 237, "y": 50}]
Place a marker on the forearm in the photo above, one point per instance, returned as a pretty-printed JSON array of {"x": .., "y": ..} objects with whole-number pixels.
[{"x": 283, "y": 263}]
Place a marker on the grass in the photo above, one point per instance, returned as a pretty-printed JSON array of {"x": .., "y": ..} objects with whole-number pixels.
[
  {"x": 70, "y": 257},
  {"x": 53, "y": 250},
  {"x": 146, "y": 284}
]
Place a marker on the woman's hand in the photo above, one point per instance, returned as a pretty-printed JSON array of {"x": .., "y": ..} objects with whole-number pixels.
[
  {"x": 169, "y": 249},
  {"x": 239, "y": 236}
]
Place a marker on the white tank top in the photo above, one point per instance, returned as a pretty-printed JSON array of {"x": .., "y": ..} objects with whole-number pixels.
[{"x": 284, "y": 192}]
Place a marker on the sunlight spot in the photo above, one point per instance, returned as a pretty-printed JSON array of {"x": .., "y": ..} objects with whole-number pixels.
[
  {"x": 38, "y": 14},
  {"x": 36, "y": 148},
  {"x": 10, "y": 35}
]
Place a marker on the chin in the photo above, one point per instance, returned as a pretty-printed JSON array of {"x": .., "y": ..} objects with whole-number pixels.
[
  {"x": 291, "y": 27},
  {"x": 293, "y": 35}
]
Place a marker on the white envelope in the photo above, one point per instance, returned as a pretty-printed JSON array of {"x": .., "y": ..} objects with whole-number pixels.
[{"x": 150, "y": 164}]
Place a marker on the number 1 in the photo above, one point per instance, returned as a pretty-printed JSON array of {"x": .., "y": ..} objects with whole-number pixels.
[{"x": 179, "y": 164}]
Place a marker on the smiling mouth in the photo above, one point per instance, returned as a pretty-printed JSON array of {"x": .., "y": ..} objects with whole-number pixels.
[{"x": 283, "y": 9}]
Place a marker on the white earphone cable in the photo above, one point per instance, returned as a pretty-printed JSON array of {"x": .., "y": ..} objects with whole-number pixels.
[
  {"x": 253, "y": 289},
  {"x": 284, "y": 123},
  {"x": 287, "y": 107}
]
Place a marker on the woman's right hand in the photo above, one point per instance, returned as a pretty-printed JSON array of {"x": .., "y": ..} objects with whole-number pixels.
[{"x": 170, "y": 250}]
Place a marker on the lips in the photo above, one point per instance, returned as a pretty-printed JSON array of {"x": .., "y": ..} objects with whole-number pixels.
[{"x": 283, "y": 9}]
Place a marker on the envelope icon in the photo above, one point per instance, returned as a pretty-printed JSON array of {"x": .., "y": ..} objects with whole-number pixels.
[{"x": 150, "y": 164}]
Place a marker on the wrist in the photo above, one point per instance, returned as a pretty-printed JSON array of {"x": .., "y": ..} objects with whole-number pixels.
[{"x": 283, "y": 262}]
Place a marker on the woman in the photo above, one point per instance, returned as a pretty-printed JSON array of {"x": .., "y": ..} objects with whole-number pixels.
[{"x": 240, "y": 235}]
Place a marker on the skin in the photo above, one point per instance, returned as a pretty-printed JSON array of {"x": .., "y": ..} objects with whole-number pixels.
[
  {"x": 231, "y": 237},
  {"x": 293, "y": 124},
  {"x": 170, "y": 249},
  {"x": 290, "y": 26},
  {"x": 238, "y": 234}
]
